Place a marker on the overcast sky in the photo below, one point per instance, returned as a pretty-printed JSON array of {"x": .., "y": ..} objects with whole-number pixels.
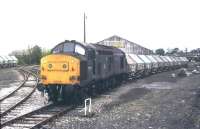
[{"x": 150, "y": 23}]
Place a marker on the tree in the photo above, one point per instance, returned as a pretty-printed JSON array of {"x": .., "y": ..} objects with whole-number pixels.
[
  {"x": 31, "y": 55},
  {"x": 160, "y": 51},
  {"x": 46, "y": 52},
  {"x": 175, "y": 51},
  {"x": 35, "y": 54}
]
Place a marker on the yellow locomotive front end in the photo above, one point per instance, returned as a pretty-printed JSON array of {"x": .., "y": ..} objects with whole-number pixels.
[
  {"x": 60, "y": 69},
  {"x": 61, "y": 73}
]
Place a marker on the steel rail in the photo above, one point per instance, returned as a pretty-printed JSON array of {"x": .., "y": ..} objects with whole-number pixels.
[
  {"x": 22, "y": 100},
  {"x": 22, "y": 84},
  {"x": 52, "y": 117},
  {"x": 39, "y": 121},
  {"x": 25, "y": 115}
]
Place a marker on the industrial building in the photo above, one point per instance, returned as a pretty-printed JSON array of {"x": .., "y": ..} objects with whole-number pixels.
[{"x": 125, "y": 45}]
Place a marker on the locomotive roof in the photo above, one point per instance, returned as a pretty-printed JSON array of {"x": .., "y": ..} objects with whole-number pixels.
[
  {"x": 94, "y": 46},
  {"x": 68, "y": 41},
  {"x": 106, "y": 48}
]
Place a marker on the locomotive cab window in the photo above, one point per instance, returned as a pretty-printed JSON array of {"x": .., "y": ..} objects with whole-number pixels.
[
  {"x": 79, "y": 49},
  {"x": 68, "y": 47},
  {"x": 58, "y": 49}
]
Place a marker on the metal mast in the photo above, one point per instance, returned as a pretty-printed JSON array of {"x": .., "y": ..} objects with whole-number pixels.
[{"x": 84, "y": 29}]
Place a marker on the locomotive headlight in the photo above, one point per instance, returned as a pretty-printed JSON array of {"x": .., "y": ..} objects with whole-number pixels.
[
  {"x": 64, "y": 66},
  {"x": 44, "y": 77},
  {"x": 73, "y": 78},
  {"x": 50, "y": 66}
]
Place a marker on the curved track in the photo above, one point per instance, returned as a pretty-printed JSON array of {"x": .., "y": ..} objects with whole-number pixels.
[
  {"x": 18, "y": 96},
  {"x": 25, "y": 76},
  {"x": 35, "y": 118},
  {"x": 38, "y": 117}
]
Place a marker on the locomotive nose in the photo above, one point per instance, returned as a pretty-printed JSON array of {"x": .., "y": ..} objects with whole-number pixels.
[{"x": 60, "y": 69}]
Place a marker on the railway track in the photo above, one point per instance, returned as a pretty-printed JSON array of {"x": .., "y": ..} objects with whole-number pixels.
[
  {"x": 38, "y": 117},
  {"x": 17, "y": 97},
  {"x": 10, "y": 117},
  {"x": 25, "y": 76}
]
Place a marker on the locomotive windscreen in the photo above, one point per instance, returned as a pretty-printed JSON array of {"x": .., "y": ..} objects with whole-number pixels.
[{"x": 69, "y": 47}]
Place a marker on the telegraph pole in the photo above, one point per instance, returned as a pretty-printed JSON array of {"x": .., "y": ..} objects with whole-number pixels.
[{"x": 84, "y": 28}]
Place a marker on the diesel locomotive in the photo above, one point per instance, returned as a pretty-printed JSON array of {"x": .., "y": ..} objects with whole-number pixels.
[{"x": 73, "y": 69}]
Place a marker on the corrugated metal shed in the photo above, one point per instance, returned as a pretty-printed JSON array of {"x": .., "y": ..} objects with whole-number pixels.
[{"x": 125, "y": 45}]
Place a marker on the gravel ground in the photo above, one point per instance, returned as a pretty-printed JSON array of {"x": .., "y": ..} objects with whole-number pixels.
[{"x": 155, "y": 102}]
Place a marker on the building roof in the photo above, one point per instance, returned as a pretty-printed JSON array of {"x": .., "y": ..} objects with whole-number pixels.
[
  {"x": 120, "y": 38},
  {"x": 116, "y": 36}
]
